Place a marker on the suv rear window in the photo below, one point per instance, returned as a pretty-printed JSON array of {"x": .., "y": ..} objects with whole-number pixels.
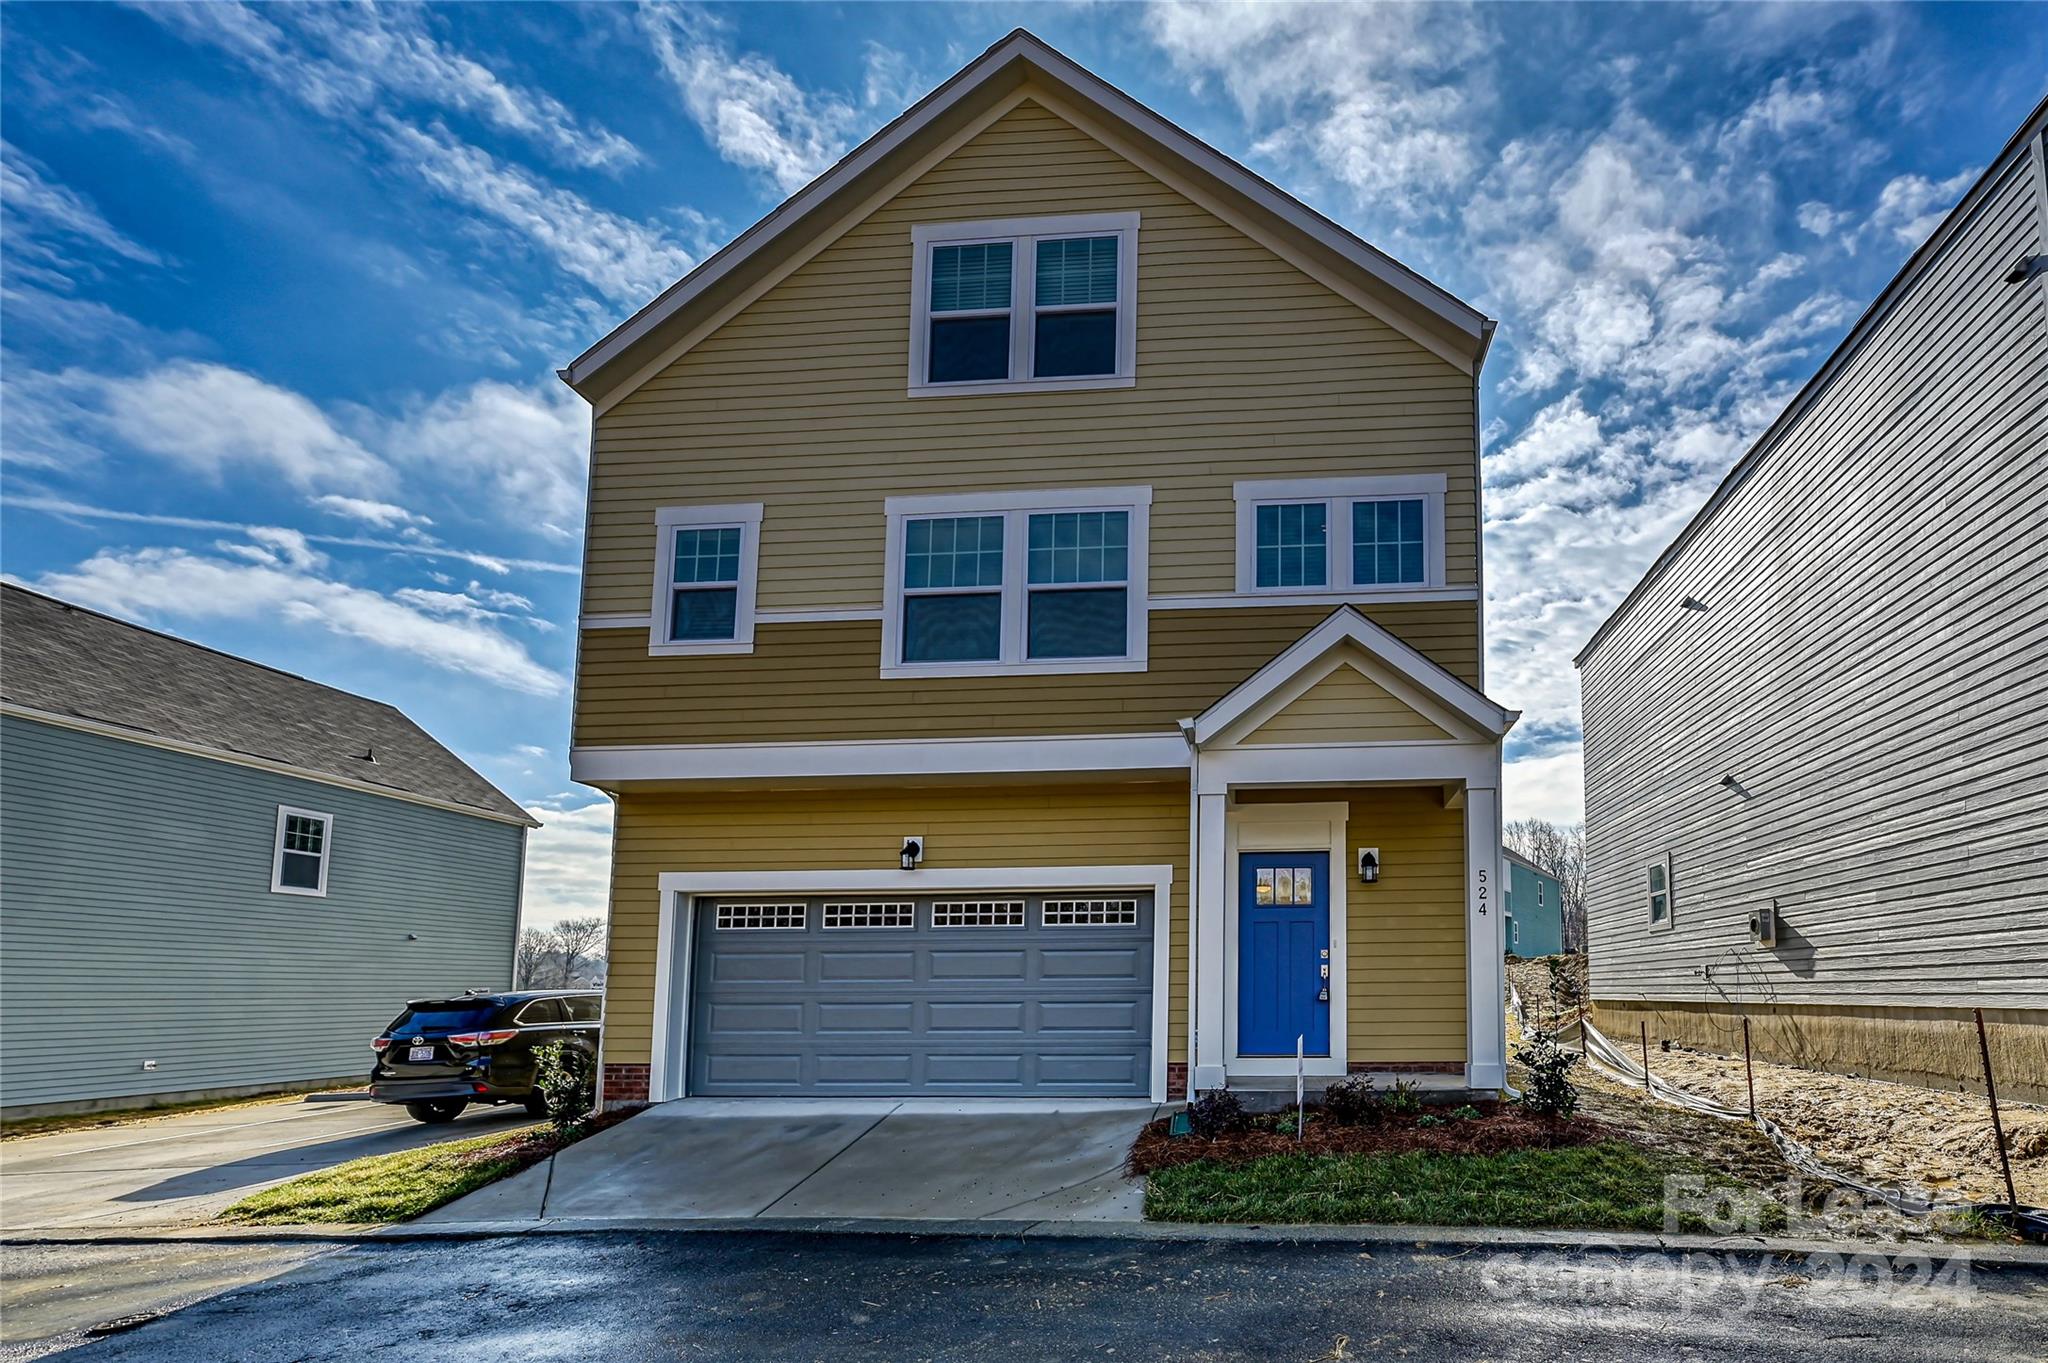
[
  {"x": 444, "y": 1017},
  {"x": 583, "y": 1008}
]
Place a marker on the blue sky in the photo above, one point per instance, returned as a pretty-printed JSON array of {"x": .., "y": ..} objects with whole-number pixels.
[{"x": 285, "y": 287}]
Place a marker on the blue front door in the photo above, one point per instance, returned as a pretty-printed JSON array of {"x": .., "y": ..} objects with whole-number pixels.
[{"x": 1283, "y": 942}]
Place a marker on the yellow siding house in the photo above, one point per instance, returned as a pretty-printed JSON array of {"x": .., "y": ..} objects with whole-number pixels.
[{"x": 1031, "y": 631}]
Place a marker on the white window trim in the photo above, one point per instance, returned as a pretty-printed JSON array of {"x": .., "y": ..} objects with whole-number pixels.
[
  {"x": 1016, "y": 508},
  {"x": 746, "y": 516},
  {"x": 1338, "y": 495},
  {"x": 1670, "y": 899},
  {"x": 277, "y": 885},
  {"x": 1023, "y": 233}
]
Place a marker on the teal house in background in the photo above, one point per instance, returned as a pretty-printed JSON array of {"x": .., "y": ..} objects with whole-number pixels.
[
  {"x": 220, "y": 878},
  {"x": 1535, "y": 908}
]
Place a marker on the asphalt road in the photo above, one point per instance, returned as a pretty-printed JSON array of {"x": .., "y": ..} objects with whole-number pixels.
[{"x": 786, "y": 1298}]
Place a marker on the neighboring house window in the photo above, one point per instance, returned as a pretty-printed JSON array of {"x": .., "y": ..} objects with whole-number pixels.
[
  {"x": 705, "y": 560},
  {"x": 1022, "y": 581},
  {"x": 1658, "y": 880},
  {"x": 298, "y": 863},
  {"x": 1539, "y": 894},
  {"x": 1024, "y": 303},
  {"x": 1341, "y": 535}
]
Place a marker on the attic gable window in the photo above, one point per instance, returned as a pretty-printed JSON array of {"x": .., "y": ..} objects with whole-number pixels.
[{"x": 1025, "y": 303}]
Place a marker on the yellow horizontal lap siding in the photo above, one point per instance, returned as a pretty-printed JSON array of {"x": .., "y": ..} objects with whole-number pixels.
[
  {"x": 821, "y": 682},
  {"x": 816, "y": 830},
  {"x": 1345, "y": 707},
  {"x": 1247, "y": 368}
]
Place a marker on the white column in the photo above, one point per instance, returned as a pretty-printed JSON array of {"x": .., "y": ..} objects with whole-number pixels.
[
  {"x": 1210, "y": 879},
  {"x": 1485, "y": 1022}
]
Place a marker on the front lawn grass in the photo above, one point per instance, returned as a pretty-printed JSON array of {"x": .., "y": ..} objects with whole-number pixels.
[
  {"x": 1607, "y": 1185},
  {"x": 395, "y": 1187}
]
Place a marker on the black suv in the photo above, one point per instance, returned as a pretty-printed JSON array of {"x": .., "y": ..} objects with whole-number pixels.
[{"x": 441, "y": 1055}]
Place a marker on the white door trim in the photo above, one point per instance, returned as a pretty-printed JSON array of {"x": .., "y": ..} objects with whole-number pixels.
[
  {"x": 669, "y": 1048},
  {"x": 1308, "y": 827}
]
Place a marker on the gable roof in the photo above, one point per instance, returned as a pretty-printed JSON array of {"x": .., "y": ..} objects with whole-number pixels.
[
  {"x": 1401, "y": 296},
  {"x": 1346, "y": 625},
  {"x": 1516, "y": 857},
  {"x": 67, "y": 664}
]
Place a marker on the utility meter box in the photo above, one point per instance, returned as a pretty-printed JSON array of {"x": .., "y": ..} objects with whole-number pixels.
[{"x": 1763, "y": 924}]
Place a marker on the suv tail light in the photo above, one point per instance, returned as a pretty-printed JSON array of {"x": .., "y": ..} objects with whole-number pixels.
[
  {"x": 484, "y": 1038},
  {"x": 378, "y": 1043}
]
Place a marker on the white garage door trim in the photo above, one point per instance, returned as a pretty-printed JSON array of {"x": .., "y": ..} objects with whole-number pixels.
[{"x": 675, "y": 940}]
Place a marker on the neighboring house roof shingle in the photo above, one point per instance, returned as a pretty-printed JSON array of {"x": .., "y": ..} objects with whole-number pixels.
[{"x": 69, "y": 662}]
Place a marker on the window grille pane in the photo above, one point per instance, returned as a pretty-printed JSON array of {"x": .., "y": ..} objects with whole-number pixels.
[
  {"x": 302, "y": 834},
  {"x": 1090, "y": 623},
  {"x": 1074, "y": 344},
  {"x": 1292, "y": 543},
  {"x": 1386, "y": 542},
  {"x": 964, "y": 349},
  {"x": 968, "y": 278},
  {"x": 1079, "y": 546},
  {"x": 979, "y": 913},
  {"x": 708, "y": 555},
  {"x": 1077, "y": 270},
  {"x": 1090, "y": 913},
  {"x": 891, "y": 915},
  {"x": 952, "y": 629},
  {"x": 760, "y": 917},
  {"x": 962, "y": 551},
  {"x": 704, "y": 613}
]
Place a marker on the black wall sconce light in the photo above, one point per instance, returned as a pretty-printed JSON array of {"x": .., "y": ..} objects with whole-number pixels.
[
  {"x": 913, "y": 853},
  {"x": 1368, "y": 865}
]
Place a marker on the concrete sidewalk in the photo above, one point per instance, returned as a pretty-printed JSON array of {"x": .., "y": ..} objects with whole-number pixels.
[{"x": 821, "y": 1159}]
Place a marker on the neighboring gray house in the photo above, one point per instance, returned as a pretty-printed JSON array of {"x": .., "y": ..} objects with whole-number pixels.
[
  {"x": 1816, "y": 762},
  {"x": 216, "y": 877}
]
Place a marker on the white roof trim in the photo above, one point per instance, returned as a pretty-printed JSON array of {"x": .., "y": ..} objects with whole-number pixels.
[
  {"x": 1460, "y": 315},
  {"x": 1346, "y": 625}
]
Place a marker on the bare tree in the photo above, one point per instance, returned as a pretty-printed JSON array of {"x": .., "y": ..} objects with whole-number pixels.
[
  {"x": 575, "y": 939},
  {"x": 534, "y": 948},
  {"x": 1560, "y": 850}
]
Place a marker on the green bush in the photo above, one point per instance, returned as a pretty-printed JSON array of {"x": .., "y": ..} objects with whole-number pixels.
[
  {"x": 1467, "y": 1113},
  {"x": 1404, "y": 1099},
  {"x": 1216, "y": 1113},
  {"x": 566, "y": 1080},
  {"x": 1551, "y": 1092}
]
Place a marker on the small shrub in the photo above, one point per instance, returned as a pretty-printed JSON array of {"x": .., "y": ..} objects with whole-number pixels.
[
  {"x": 1429, "y": 1119},
  {"x": 566, "y": 1080},
  {"x": 1218, "y": 1112},
  {"x": 1353, "y": 1101},
  {"x": 1290, "y": 1125},
  {"x": 1551, "y": 1092},
  {"x": 1404, "y": 1099},
  {"x": 1467, "y": 1113}
]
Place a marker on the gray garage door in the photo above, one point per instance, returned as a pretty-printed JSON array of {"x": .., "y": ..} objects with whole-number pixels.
[{"x": 950, "y": 994}]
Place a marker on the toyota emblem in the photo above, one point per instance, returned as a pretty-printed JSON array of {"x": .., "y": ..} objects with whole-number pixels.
[{"x": 419, "y": 1041}]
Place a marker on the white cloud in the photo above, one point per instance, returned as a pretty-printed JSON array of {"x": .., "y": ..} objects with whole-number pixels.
[
  {"x": 568, "y": 863},
  {"x": 754, "y": 114},
  {"x": 1819, "y": 219},
  {"x": 1550, "y": 787},
  {"x": 1912, "y": 206},
  {"x": 346, "y": 61},
  {"x": 383, "y": 515},
  {"x": 45, "y": 222},
  {"x": 525, "y": 449},
  {"x": 284, "y": 586},
  {"x": 625, "y": 260}
]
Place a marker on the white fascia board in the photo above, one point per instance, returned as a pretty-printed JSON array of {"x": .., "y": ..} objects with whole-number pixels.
[
  {"x": 1076, "y": 753},
  {"x": 1346, "y": 624},
  {"x": 1349, "y": 764},
  {"x": 867, "y": 881},
  {"x": 1461, "y": 316}
]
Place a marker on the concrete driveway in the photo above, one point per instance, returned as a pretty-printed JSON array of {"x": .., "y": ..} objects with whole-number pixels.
[
  {"x": 183, "y": 1168},
  {"x": 914, "y": 1159}
]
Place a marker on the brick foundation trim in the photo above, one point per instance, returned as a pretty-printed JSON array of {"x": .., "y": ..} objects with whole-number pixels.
[
  {"x": 1406, "y": 1067},
  {"x": 625, "y": 1084},
  {"x": 1176, "y": 1081}
]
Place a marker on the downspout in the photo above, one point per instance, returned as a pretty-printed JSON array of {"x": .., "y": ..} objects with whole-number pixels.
[{"x": 1187, "y": 733}]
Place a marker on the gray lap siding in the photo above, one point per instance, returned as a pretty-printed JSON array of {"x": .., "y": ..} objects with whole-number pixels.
[{"x": 137, "y": 921}]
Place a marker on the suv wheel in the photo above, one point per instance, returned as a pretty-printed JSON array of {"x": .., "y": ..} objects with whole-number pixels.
[
  {"x": 536, "y": 1105},
  {"x": 436, "y": 1110}
]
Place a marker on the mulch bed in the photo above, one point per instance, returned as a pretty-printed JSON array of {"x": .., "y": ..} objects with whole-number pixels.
[{"x": 1502, "y": 1127}]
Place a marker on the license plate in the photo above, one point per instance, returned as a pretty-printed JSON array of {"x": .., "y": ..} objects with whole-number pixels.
[{"x": 420, "y": 1053}]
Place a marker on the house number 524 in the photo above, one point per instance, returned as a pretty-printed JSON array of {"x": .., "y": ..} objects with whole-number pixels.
[{"x": 1485, "y": 889}]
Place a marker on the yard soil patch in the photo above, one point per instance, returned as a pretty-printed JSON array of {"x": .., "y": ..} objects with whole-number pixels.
[{"x": 1501, "y": 1129}]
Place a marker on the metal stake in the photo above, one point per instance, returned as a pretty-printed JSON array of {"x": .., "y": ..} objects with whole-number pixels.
[
  {"x": 2012, "y": 1198},
  {"x": 1646, "y": 1054},
  {"x": 1747, "y": 1072}
]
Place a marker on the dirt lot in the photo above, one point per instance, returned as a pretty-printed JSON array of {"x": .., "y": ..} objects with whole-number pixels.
[{"x": 1888, "y": 1133}]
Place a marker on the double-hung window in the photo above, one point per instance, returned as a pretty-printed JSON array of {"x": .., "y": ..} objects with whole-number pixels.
[
  {"x": 298, "y": 857},
  {"x": 981, "y": 584},
  {"x": 1657, "y": 891},
  {"x": 705, "y": 561},
  {"x": 1341, "y": 535},
  {"x": 1024, "y": 303}
]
